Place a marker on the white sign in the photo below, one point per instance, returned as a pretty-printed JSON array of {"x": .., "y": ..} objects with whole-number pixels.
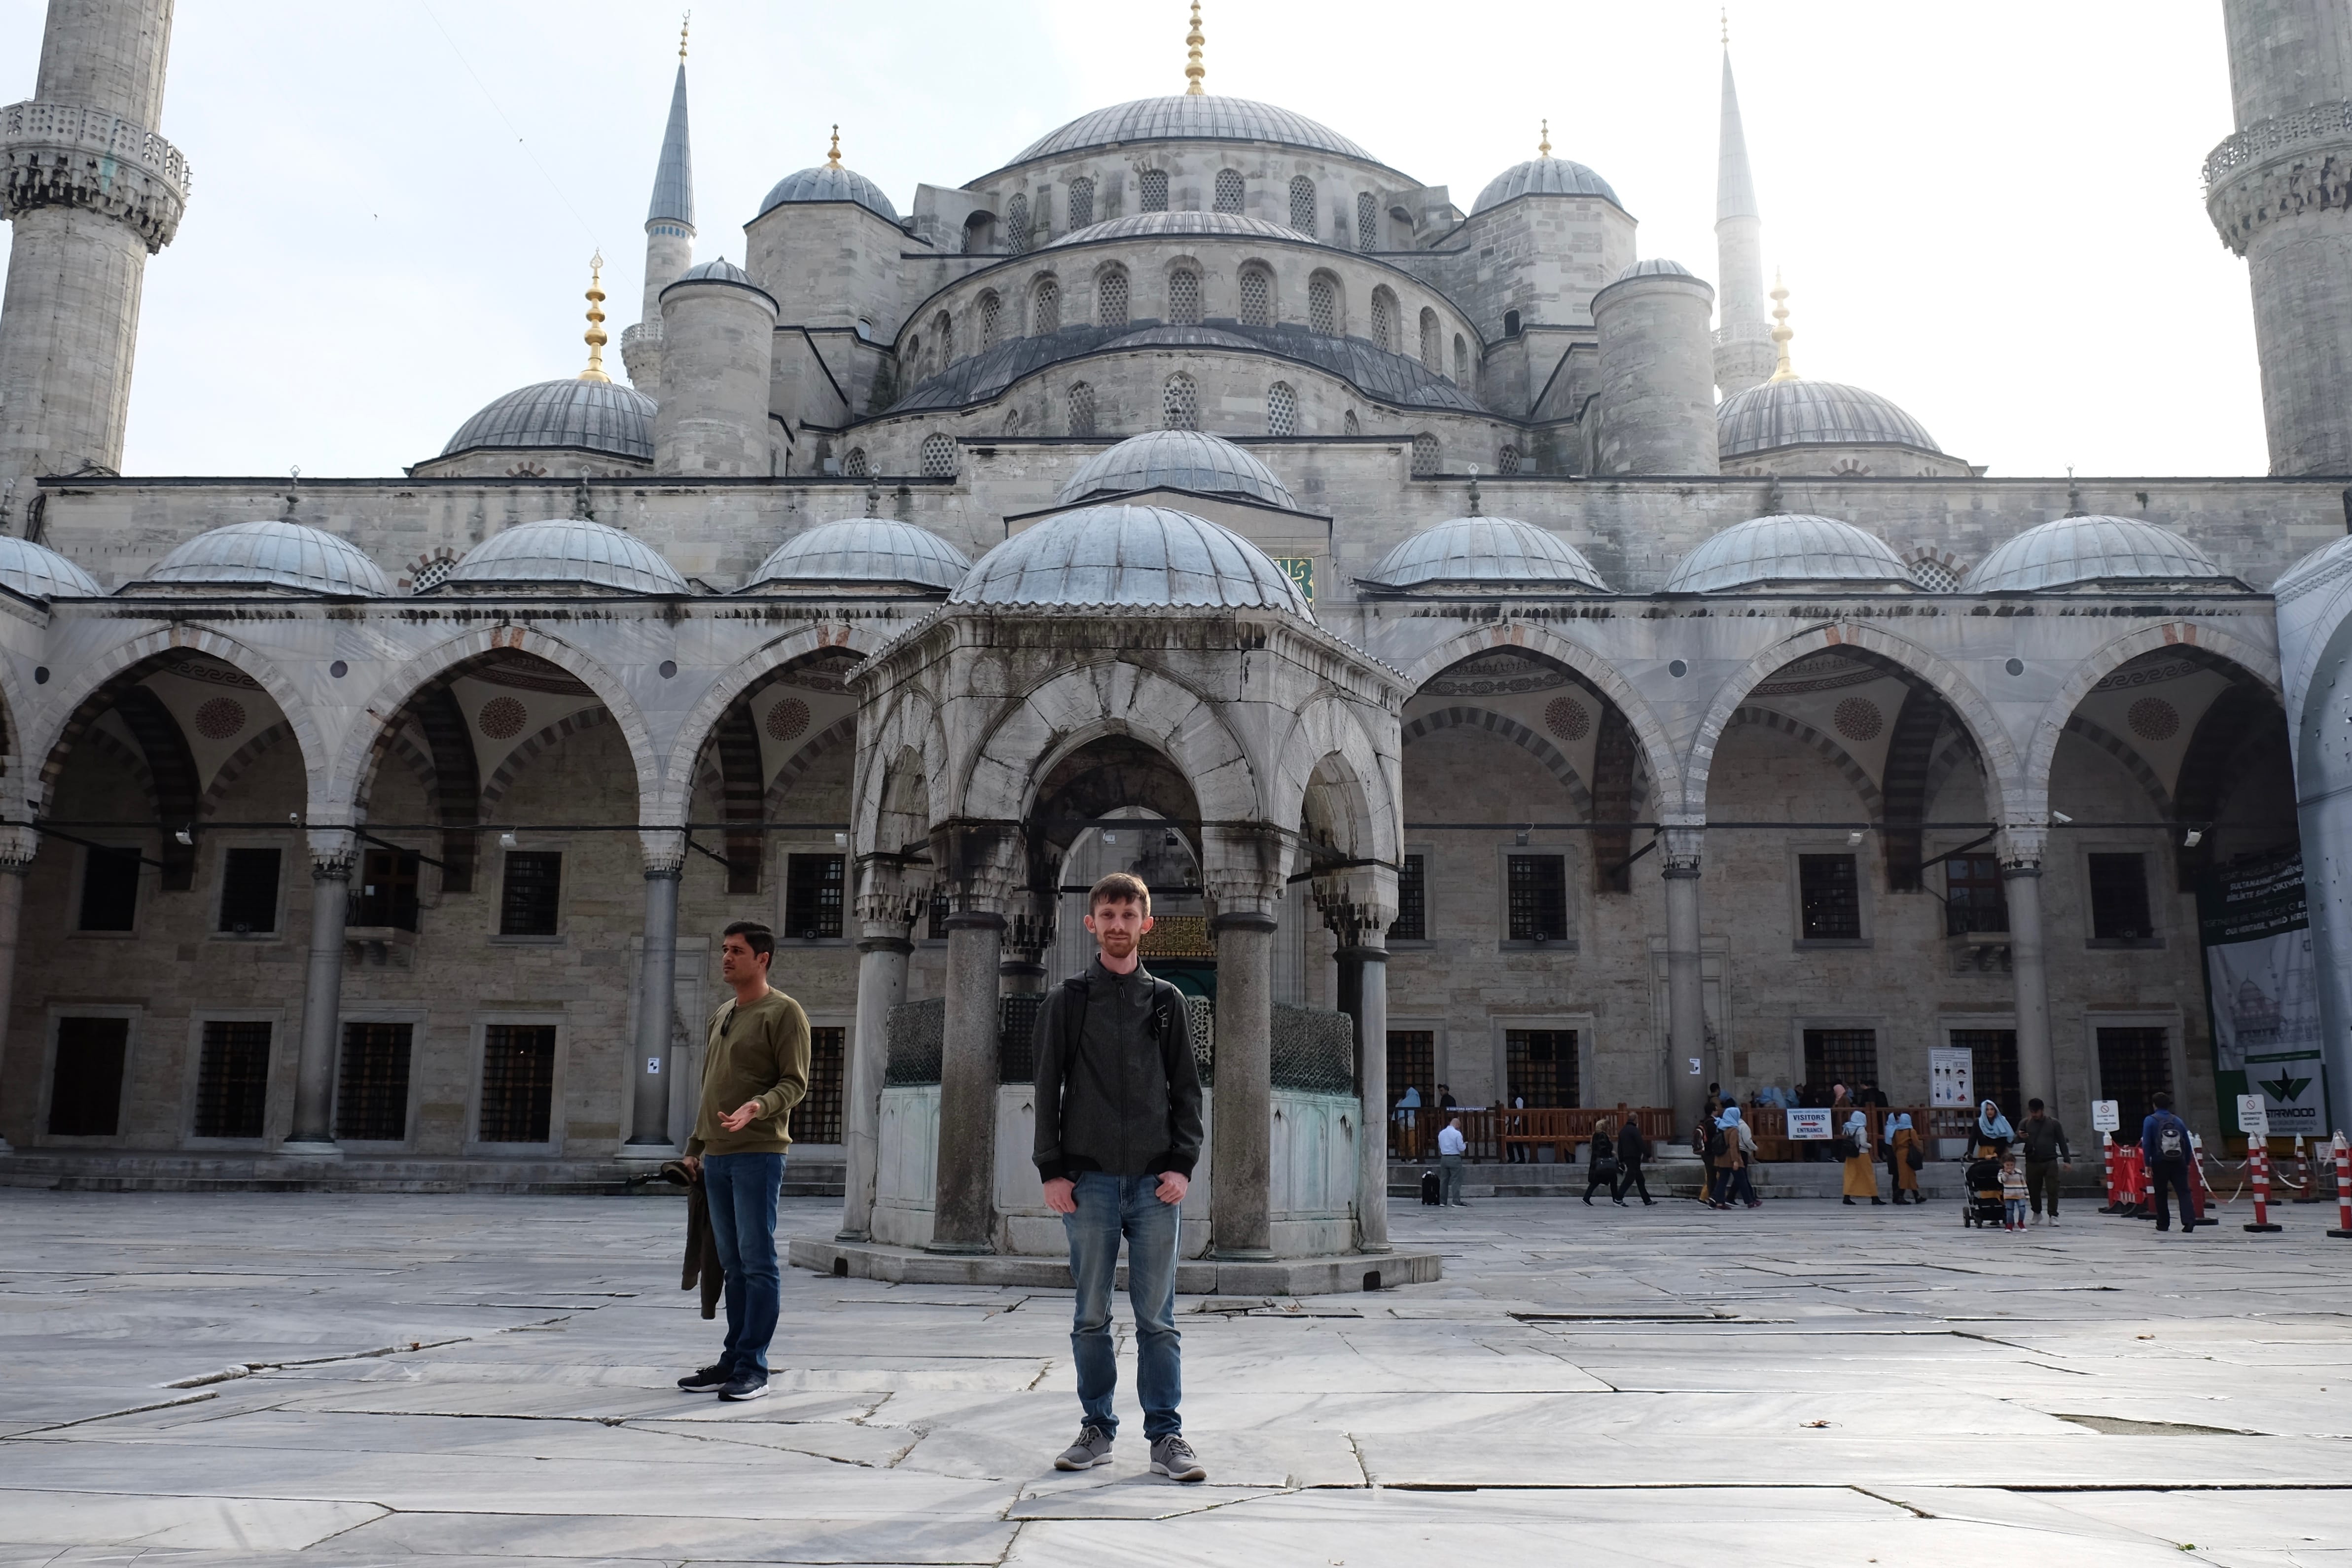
[
  {"x": 1693, "y": 1062},
  {"x": 2255, "y": 1115},
  {"x": 1809, "y": 1123},
  {"x": 2106, "y": 1116},
  {"x": 1951, "y": 1076},
  {"x": 653, "y": 1066}
]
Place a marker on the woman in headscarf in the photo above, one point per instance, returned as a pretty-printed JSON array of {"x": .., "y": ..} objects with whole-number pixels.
[
  {"x": 1731, "y": 1165},
  {"x": 1860, "y": 1170},
  {"x": 1993, "y": 1130},
  {"x": 1900, "y": 1140}
]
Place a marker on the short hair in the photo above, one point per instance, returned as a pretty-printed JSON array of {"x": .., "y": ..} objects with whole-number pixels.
[
  {"x": 2162, "y": 1100},
  {"x": 2032, "y": 1105},
  {"x": 1119, "y": 888},
  {"x": 756, "y": 936}
]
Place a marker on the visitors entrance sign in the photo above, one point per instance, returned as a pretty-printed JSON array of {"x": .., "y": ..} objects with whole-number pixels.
[
  {"x": 1809, "y": 1122},
  {"x": 2261, "y": 991}
]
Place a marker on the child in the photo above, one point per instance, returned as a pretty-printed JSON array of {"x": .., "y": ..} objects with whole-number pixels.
[{"x": 2012, "y": 1192}]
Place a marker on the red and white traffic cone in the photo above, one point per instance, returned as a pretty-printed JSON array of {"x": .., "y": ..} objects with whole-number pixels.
[
  {"x": 2343, "y": 1190},
  {"x": 2257, "y": 1157},
  {"x": 2107, "y": 1161}
]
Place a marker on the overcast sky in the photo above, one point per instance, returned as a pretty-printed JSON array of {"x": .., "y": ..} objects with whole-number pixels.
[{"x": 1990, "y": 214}]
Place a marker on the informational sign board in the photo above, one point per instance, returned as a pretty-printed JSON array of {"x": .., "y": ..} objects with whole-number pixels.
[
  {"x": 2106, "y": 1116},
  {"x": 1809, "y": 1123},
  {"x": 1951, "y": 1076},
  {"x": 2255, "y": 1115},
  {"x": 2261, "y": 991}
]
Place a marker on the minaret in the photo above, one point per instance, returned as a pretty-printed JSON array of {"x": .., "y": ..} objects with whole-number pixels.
[
  {"x": 2276, "y": 192},
  {"x": 670, "y": 238},
  {"x": 93, "y": 191},
  {"x": 1743, "y": 348}
]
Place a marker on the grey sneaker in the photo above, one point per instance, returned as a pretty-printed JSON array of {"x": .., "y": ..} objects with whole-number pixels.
[
  {"x": 1092, "y": 1448},
  {"x": 1173, "y": 1457}
]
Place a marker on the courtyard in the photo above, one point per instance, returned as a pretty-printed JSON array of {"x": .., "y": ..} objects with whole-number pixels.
[{"x": 265, "y": 1379}]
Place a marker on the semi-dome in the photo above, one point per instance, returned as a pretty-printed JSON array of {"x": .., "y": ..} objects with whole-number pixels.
[
  {"x": 270, "y": 554},
  {"x": 1169, "y": 337},
  {"x": 1191, "y": 117},
  {"x": 1786, "y": 550},
  {"x": 1138, "y": 225},
  {"x": 828, "y": 182},
  {"x": 1487, "y": 552},
  {"x": 564, "y": 551},
  {"x": 1545, "y": 177},
  {"x": 2325, "y": 565},
  {"x": 600, "y": 416},
  {"x": 1655, "y": 267},
  {"x": 39, "y": 573},
  {"x": 1798, "y": 413},
  {"x": 1146, "y": 557},
  {"x": 2085, "y": 551},
  {"x": 875, "y": 550},
  {"x": 1175, "y": 459}
]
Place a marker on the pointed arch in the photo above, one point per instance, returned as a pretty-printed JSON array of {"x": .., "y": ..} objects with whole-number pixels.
[
  {"x": 501, "y": 780},
  {"x": 1865, "y": 789},
  {"x": 239, "y": 764},
  {"x": 2129, "y": 756},
  {"x": 1467, "y": 717},
  {"x": 1334, "y": 738},
  {"x": 907, "y": 725},
  {"x": 842, "y": 732},
  {"x": 674, "y": 793}
]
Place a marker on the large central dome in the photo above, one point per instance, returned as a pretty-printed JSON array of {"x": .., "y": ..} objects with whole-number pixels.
[{"x": 1192, "y": 117}]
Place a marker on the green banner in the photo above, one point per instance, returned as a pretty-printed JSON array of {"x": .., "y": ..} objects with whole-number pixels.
[{"x": 2260, "y": 992}]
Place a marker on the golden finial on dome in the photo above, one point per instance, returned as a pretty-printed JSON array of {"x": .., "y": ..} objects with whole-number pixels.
[
  {"x": 833, "y": 159},
  {"x": 682, "y": 24},
  {"x": 1543, "y": 147},
  {"x": 1193, "y": 69},
  {"x": 595, "y": 336},
  {"x": 1781, "y": 331}
]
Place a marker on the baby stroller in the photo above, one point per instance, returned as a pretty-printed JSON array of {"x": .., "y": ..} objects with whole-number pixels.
[{"x": 1984, "y": 1203}]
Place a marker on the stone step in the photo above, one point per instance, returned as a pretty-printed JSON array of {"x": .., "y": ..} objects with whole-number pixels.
[{"x": 109, "y": 1171}]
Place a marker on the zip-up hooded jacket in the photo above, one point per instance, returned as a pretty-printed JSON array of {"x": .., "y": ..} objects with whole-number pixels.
[{"x": 1117, "y": 1091}]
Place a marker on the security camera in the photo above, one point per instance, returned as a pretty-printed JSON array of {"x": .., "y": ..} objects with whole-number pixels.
[
  {"x": 506, "y": 840},
  {"x": 2060, "y": 816},
  {"x": 184, "y": 837},
  {"x": 1853, "y": 840},
  {"x": 2192, "y": 838}
]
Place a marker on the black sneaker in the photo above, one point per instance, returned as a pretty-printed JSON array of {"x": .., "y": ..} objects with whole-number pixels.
[
  {"x": 703, "y": 1382},
  {"x": 746, "y": 1386}
]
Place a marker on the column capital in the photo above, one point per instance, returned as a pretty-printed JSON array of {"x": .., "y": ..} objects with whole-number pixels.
[
  {"x": 17, "y": 848},
  {"x": 335, "y": 851},
  {"x": 892, "y": 894},
  {"x": 1681, "y": 846},
  {"x": 664, "y": 849},
  {"x": 2021, "y": 847},
  {"x": 1358, "y": 904},
  {"x": 1242, "y": 868}
]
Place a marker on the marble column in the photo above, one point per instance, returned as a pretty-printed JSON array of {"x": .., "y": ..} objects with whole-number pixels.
[
  {"x": 18, "y": 847},
  {"x": 887, "y": 910},
  {"x": 964, "y": 1207},
  {"x": 1364, "y": 996},
  {"x": 1686, "y": 992},
  {"x": 2022, "y": 848},
  {"x": 1242, "y": 1115},
  {"x": 332, "y": 853},
  {"x": 651, "y": 1068}
]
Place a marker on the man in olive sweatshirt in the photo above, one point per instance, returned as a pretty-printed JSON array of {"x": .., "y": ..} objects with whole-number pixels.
[{"x": 755, "y": 1069}]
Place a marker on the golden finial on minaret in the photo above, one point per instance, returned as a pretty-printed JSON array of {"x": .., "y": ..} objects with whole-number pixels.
[
  {"x": 1726, "y": 27},
  {"x": 1543, "y": 147},
  {"x": 1781, "y": 331},
  {"x": 683, "y": 23},
  {"x": 595, "y": 337},
  {"x": 1193, "y": 69},
  {"x": 833, "y": 159}
]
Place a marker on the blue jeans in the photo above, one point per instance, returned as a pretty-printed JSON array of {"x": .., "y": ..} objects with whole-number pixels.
[
  {"x": 2165, "y": 1180},
  {"x": 741, "y": 1190},
  {"x": 1110, "y": 1207}
]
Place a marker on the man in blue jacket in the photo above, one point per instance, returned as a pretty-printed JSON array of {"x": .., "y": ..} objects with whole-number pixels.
[{"x": 2164, "y": 1143}]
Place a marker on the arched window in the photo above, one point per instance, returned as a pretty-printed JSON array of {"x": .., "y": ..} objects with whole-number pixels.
[
  {"x": 1082, "y": 408},
  {"x": 938, "y": 455},
  {"x": 433, "y": 572},
  {"x": 979, "y": 233},
  {"x": 1184, "y": 298},
  {"x": 1323, "y": 304},
  {"x": 1110, "y": 296},
  {"x": 1432, "y": 356},
  {"x": 1229, "y": 190},
  {"x": 1510, "y": 323},
  {"x": 1384, "y": 319},
  {"x": 1928, "y": 572},
  {"x": 1368, "y": 221},
  {"x": 855, "y": 464},
  {"x": 1179, "y": 403},
  {"x": 1153, "y": 184},
  {"x": 1045, "y": 309},
  {"x": 1424, "y": 453},
  {"x": 1506, "y": 458},
  {"x": 1461, "y": 362},
  {"x": 1302, "y": 205},
  {"x": 992, "y": 318},
  {"x": 1012, "y": 423},
  {"x": 1257, "y": 297},
  {"x": 1351, "y": 425},
  {"x": 1281, "y": 410},
  {"x": 1082, "y": 201},
  {"x": 943, "y": 330},
  {"x": 1016, "y": 224}
]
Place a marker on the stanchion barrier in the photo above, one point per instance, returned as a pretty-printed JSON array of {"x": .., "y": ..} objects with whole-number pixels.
[
  {"x": 2107, "y": 1168},
  {"x": 2201, "y": 1196},
  {"x": 2146, "y": 1207},
  {"x": 2257, "y": 1157},
  {"x": 2343, "y": 1190}
]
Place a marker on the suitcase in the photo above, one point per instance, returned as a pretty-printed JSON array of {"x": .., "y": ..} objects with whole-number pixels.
[{"x": 1429, "y": 1188}]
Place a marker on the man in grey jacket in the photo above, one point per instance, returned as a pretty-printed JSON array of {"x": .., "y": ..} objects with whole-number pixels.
[{"x": 1118, "y": 1131}]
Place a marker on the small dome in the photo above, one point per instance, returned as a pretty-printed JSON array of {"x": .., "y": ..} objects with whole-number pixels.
[
  {"x": 39, "y": 573},
  {"x": 1114, "y": 556},
  {"x": 1175, "y": 459},
  {"x": 829, "y": 182},
  {"x": 1786, "y": 550},
  {"x": 1545, "y": 177},
  {"x": 1486, "y": 550},
  {"x": 720, "y": 271},
  {"x": 600, "y": 416},
  {"x": 1655, "y": 267},
  {"x": 272, "y": 554},
  {"x": 1138, "y": 225},
  {"x": 1814, "y": 414},
  {"x": 869, "y": 549},
  {"x": 1191, "y": 117},
  {"x": 572, "y": 552},
  {"x": 2084, "y": 551}
]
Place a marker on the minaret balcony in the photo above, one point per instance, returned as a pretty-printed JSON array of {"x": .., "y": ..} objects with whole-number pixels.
[{"x": 64, "y": 154}]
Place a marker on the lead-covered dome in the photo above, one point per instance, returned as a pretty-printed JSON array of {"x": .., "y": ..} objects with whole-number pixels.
[
  {"x": 1486, "y": 551},
  {"x": 1131, "y": 557},
  {"x": 1544, "y": 177},
  {"x": 270, "y": 554},
  {"x": 1138, "y": 225},
  {"x": 563, "y": 553},
  {"x": 2323, "y": 565},
  {"x": 39, "y": 573},
  {"x": 828, "y": 182},
  {"x": 877, "y": 551},
  {"x": 599, "y": 417},
  {"x": 1175, "y": 459},
  {"x": 1788, "y": 550},
  {"x": 1798, "y": 413},
  {"x": 1655, "y": 267},
  {"x": 2089, "y": 551},
  {"x": 1191, "y": 117}
]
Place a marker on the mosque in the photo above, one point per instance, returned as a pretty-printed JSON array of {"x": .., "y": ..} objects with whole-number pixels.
[{"x": 1512, "y": 672}]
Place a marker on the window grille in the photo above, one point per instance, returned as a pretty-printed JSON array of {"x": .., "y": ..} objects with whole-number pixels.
[
  {"x": 528, "y": 902},
  {"x": 372, "y": 1089},
  {"x": 1412, "y": 1063},
  {"x": 1425, "y": 454},
  {"x": 432, "y": 574},
  {"x": 1350, "y": 426},
  {"x": 386, "y": 895},
  {"x": 1413, "y": 901},
  {"x": 938, "y": 457},
  {"x": 1323, "y": 305},
  {"x": 1048, "y": 310},
  {"x": 1384, "y": 319},
  {"x": 855, "y": 465},
  {"x": 992, "y": 318},
  {"x": 2119, "y": 898},
  {"x": 1510, "y": 323},
  {"x": 1849, "y": 1056},
  {"x": 1184, "y": 298},
  {"x": 2133, "y": 1065},
  {"x": 248, "y": 902},
  {"x": 232, "y": 1080},
  {"x": 1432, "y": 357},
  {"x": 1992, "y": 1063},
  {"x": 1536, "y": 894},
  {"x": 1110, "y": 298},
  {"x": 1934, "y": 577},
  {"x": 1153, "y": 185},
  {"x": 1016, "y": 224},
  {"x": 1082, "y": 201},
  {"x": 1082, "y": 409},
  {"x": 109, "y": 890},
  {"x": 1506, "y": 458},
  {"x": 1828, "y": 897},
  {"x": 812, "y": 894},
  {"x": 518, "y": 1083},
  {"x": 943, "y": 329},
  {"x": 817, "y": 1118},
  {"x": 1257, "y": 297},
  {"x": 1368, "y": 221},
  {"x": 1179, "y": 401},
  {"x": 1302, "y": 205},
  {"x": 1229, "y": 190},
  {"x": 1973, "y": 899},
  {"x": 1281, "y": 410},
  {"x": 1461, "y": 362},
  {"x": 86, "y": 1089},
  {"x": 1540, "y": 1066}
]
